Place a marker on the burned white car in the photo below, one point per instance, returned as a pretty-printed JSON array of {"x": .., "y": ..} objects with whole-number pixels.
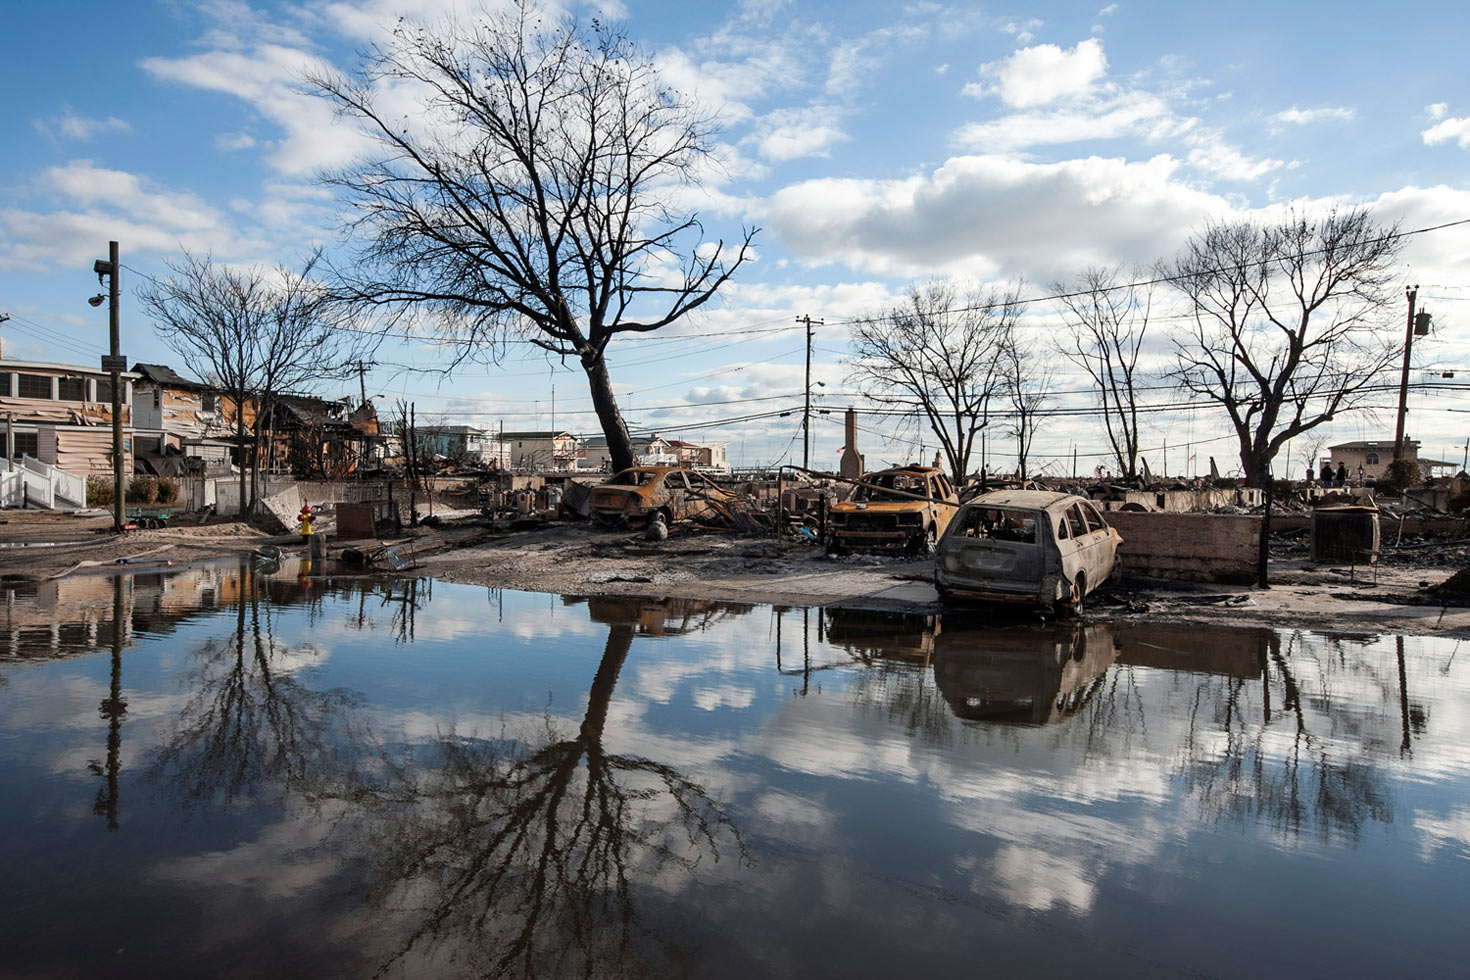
[{"x": 1025, "y": 546}]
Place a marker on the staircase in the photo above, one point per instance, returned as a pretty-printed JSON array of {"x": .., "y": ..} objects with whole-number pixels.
[{"x": 32, "y": 482}]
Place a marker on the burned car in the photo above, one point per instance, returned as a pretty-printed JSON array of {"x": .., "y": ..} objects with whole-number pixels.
[
  {"x": 635, "y": 495},
  {"x": 904, "y": 508},
  {"x": 1025, "y": 546}
]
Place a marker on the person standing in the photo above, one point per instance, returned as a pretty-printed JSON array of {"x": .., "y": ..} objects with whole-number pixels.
[
  {"x": 1327, "y": 474},
  {"x": 1342, "y": 474}
]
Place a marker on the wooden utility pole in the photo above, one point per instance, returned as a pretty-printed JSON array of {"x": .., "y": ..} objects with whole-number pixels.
[
  {"x": 114, "y": 365},
  {"x": 1412, "y": 293},
  {"x": 806, "y": 412}
]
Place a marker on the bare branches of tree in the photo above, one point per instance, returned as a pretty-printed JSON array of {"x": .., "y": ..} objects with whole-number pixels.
[
  {"x": 939, "y": 353},
  {"x": 1026, "y": 380},
  {"x": 1107, "y": 314},
  {"x": 537, "y": 194},
  {"x": 1285, "y": 331},
  {"x": 255, "y": 334}
]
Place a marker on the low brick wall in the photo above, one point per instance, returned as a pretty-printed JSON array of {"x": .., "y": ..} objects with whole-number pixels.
[{"x": 1195, "y": 547}]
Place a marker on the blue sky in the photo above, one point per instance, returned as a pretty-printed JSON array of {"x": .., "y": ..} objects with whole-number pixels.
[{"x": 875, "y": 145}]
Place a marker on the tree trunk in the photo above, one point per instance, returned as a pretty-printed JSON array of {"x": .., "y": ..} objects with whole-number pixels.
[
  {"x": 599, "y": 698},
  {"x": 1263, "y": 579},
  {"x": 240, "y": 442},
  {"x": 619, "y": 444}
]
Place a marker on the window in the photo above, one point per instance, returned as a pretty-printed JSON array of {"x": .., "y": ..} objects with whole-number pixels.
[
  {"x": 1076, "y": 523},
  {"x": 34, "y": 386},
  {"x": 72, "y": 389},
  {"x": 26, "y": 444},
  {"x": 1094, "y": 519},
  {"x": 999, "y": 524},
  {"x": 1371, "y": 460},
  {"x": 104, "y": 390},
  {"x": 207, "y": 402}
]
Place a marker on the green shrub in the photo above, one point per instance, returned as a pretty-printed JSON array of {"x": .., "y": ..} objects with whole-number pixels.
[
  {"x": 99, "y": 491},
  {"x": 167, "y": 491},
  {"x": 141, "y": 489}
]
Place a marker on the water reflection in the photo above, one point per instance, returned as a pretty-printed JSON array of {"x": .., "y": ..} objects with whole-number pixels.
[{"x": 414, "y": 779}]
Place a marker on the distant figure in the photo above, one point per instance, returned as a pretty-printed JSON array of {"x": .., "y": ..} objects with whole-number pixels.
[
  {"x": 1327, "y": 475},
  {"x": 1342, "y": 474},
  {"x": 1310, "y": 475}
]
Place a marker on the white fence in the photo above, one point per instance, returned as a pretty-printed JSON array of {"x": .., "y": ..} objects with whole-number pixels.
[{"x": 35, "y": 482}]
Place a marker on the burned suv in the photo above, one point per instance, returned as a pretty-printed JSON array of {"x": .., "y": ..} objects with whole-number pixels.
[{"x": 905, "y": 508}]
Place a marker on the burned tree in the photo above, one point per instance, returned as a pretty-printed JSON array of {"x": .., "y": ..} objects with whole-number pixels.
[
  {"x": 939, "y": 353},
  {"x": 1285, "y": 326},
  {"x": 535, "y": 195},
  {"x": 1107, "y": 319},
  {"x": 253, "y": 333}
]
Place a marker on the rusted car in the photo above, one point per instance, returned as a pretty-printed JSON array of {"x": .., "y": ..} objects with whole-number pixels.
[
  {"x": 904, "y": 508},
  {"x": 1025, "y": 546},
  {"x": 634, "y": 495}
]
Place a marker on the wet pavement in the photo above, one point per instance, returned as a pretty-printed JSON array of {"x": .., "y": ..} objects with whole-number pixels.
[{"x": 227, "y": 772}]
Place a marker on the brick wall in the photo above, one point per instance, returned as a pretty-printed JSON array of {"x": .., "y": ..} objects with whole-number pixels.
[{"x": 1195, "y": 547}]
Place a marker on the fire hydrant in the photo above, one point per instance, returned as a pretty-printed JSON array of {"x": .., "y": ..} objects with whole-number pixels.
[{"x": 305, "y": 518}]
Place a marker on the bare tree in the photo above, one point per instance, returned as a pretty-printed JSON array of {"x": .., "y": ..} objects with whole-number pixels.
[
  {"x": 535, "y": 197},
  {"x": 939, "y": 352},
  {"x": 1284, "y": 332},
  {"x": 1107, "y": 316},
  {"x": 1026, "y": 381},
  {"x": 253, "y": 333}
]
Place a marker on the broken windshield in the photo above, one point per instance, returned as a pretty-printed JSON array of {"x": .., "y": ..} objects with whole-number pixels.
[{"x": 910, "y": 485}]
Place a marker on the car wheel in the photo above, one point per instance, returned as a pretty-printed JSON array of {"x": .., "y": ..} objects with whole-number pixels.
[
  {"x": 923, "y": 544},
  {"x": 1078, "y": 601}
]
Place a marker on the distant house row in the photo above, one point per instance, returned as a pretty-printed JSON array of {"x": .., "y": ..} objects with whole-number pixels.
[
  {"x": 556, "y": 450},
  {"x": 61, "y": 414}
]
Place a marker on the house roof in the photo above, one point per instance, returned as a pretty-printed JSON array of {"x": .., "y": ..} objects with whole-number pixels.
[
  {"x": 1386, "y": 444},
  {"x": 6, "y": 364},
  {"x": 544, "y": 434},
  {"x": 162, "y": 374}
]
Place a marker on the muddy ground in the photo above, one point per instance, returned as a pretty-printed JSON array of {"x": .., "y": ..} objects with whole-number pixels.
[{"x": 574, "y": 558}]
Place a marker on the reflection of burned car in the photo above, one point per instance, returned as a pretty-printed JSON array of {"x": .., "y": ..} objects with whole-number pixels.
[
  {"x": 635, "y": 495},
  {"x": 907, "y": 507},
  {"x": 1022, "y": 676},
  {"x": 1026, "y": 546}
]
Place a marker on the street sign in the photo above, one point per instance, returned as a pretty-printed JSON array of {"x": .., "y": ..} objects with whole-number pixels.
[{"x": 118, "y": 363}]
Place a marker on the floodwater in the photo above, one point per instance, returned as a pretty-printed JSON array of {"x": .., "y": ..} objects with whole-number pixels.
[{"x": 220, "y": 772}]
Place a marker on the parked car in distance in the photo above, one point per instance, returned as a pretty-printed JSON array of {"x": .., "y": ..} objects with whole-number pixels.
[
  {"x": 634, "y": 495},
  {"x": 1025, "y": 546},
  {"x": 907, "y": 507}
]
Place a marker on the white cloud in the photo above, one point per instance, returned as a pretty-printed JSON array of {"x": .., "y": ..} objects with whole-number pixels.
[
  {"x": 1109, "y": 10},
  {"x": 1304, "y": 117},
  {"x": 1133, "y": 113},
  {"x": 1042, "y": 74},
  {"x": 234, "y": 141},
  {"x": 99, "y": 204},
  {"x": 990, "y": 216},
  {"x": 1437, "y": 110},
  {"x": 71, "y": 126},
  {"x": 1214, "y": 156},
  {"x": 789, "y": 134},
  {"x": 1023, "y": 31},
  {"x": 1451, "y": 129}
]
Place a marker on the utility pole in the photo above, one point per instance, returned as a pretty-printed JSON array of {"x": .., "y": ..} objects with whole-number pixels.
[
  {"x": 806, "y": 412},
  {"x": 1412, "y": 293},
  {"x": 1418, "y": 326},
  {"x": 114, "y": 365}
]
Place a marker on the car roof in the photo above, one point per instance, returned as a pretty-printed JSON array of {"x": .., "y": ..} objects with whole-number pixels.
[{"x": 1029, "y": 499}]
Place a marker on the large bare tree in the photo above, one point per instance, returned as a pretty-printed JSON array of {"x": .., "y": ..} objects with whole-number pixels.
[
  {"x": 1107, "y": 316},
  {"x": 254, "y": 334},
  {"x": 536, "y": 195},
  {"x": 939, "y": 352},
  {"x": 1286, "y": 323}
]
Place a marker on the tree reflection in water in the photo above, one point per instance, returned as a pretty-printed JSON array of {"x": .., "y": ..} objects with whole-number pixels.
[
  {"x": 250, "y": 725},
  {"x": 522, "y": 855}
]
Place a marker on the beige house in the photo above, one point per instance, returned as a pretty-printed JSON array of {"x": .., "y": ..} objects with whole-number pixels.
[
  {"x": 62, "y": 414},
  {"x": 1373, "y": 459},
  {"x": 540, "y": 450}
]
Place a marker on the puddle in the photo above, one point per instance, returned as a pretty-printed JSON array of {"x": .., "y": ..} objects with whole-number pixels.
[{"x": 220, "y": 770}]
